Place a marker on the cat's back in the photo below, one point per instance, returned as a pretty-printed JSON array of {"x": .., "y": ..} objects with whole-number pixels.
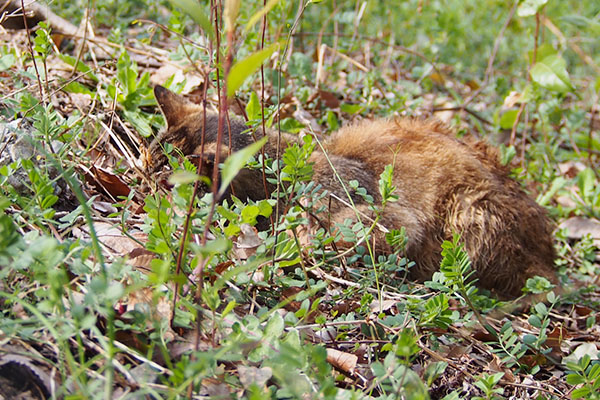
[
  {"x": 411, "y": 144},
  {"x": 429, "y": 163}
]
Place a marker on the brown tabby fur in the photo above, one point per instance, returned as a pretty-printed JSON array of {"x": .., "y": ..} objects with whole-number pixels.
[{"x": 444, "y": 186}]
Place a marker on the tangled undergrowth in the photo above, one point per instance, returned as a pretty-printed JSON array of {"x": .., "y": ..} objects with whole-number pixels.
[{"x": 118, "y": 284}]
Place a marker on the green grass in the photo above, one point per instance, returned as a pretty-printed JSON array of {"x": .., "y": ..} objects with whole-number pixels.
[{"x": 122, "y": 289}]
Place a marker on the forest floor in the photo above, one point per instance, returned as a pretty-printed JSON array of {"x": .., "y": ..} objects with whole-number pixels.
[{"x": 88, "y": 289}]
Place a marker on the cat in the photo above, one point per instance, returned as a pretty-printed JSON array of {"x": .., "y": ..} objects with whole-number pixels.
[{"x": 444, "y": 186}]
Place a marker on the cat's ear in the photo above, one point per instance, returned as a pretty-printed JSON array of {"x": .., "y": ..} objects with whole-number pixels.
[{"x": 173, "y": 106}]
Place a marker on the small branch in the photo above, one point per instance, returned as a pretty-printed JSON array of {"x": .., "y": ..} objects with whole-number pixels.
[
  {"x": 37, "y": 73},
  {"x": 463, "y": 108},
  {"x": 40, "y": 12}
]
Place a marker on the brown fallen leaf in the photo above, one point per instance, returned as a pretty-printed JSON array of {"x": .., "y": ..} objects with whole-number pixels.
[
  {"x": 308, "y": 120},
  {"x": 583, "y": 311},
  {"x": 496, "y": 366},
  {"x": 437, "y": 78},
  {"x": 219, "y": 269},
  {"x": 570, "y": 169},
  {"x": 345, "y": 306},
  {"x": 214, "y": 389},
  {"x": 144, "y": 299},
  {"x": 107, "y": 182},
  {"x": 291, "y": 292},
  {"x": 376, "y": 306},
  {"x": 140, "y": 258},
  {"x": 532, "y": 360},
  {"x": 555, "y": 339},
  {"x": 345, "y": 362},
  {"x": 483, "y": 336},
  {"x": 104, "y": 207},
  {"x": 111, "y": 237},
  {"x": 456, "y": 350},
  {"x": 329, "y": 99}
]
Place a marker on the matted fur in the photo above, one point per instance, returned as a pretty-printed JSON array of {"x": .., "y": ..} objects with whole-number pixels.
[{"x": 444, "y": 186}]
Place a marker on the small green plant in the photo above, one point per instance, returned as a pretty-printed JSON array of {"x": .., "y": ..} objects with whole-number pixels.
[
  {"x": 65, "y": 296},
  {"x": 132, "y": 93},
  {"x": 437, "y": 312},
  {"x": 540, "y": 318},
  {"x": 487, "y": 384},
  {"x": 393, "y": 377},
  {"x": 43, "y": 47},
  {"x": 456, "y": 268},
  {"x": 589, "y": 192},
  {"x": 587, "y": 374},
  {"x": 580, "y": 255},
  {"x": 509, "y": 347}
]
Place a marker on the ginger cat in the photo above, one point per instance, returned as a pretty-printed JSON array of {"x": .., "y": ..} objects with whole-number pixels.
[{"x": 444, "y": 186}]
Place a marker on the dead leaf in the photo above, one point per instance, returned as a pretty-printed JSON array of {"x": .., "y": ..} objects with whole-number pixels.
[
  {"x": 556, "y": 338},
  {"x": 159, "y": 309},
  {"x": 571, "y": 168},
  {"x": 437, "y": 78},
  {"x": 111, "y": 237},
  {"x": 81, "y": 100},
  {"x": 247, "y": 242},
  {"x": 455, "y": 351},
  {"x": 144, "y": 373},
  {"x": 345, "y": 306},
  {"x": 291, "y": 292},
  {"x": 104, "y": 207},
  {"x": 473, "y": 85},
  {"x": 329, "y": 99},
  {"x": 582, "y": 311},
  {"x": 565, "y": 201},
  {"x": 306, "y": 118},
  {"x": 162, "y": 74},
  {"x": 496, "y": 366},
  {"x": 343, "y": 361},
  {"x": 579, "y": 227},
  {"x": 140, "y": 258},
  {"x": 250, "y": 375},
  {"x": 512, "y": 99},
  {"x": 532, "y": 360},
  {"x": 218, "y": 270},
  {"x": 185, "y": 344},
  {"x": 214, "y": 389},
  {"x": 107, "y": 182},
  {"x": 376, "y": 306},
  {"x": 591, "y": 349},
  {"x": 483, "y": 336},
  {"x": 249, "y": 237}
]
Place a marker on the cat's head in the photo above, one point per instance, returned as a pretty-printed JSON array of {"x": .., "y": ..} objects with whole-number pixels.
[{"x": 185, "y": 125}]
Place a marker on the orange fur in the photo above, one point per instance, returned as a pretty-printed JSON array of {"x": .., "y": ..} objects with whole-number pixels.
[{"x": 444, "y": 186}]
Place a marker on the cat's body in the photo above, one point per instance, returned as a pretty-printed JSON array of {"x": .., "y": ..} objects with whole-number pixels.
[{"x": 444, "y": 186}]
